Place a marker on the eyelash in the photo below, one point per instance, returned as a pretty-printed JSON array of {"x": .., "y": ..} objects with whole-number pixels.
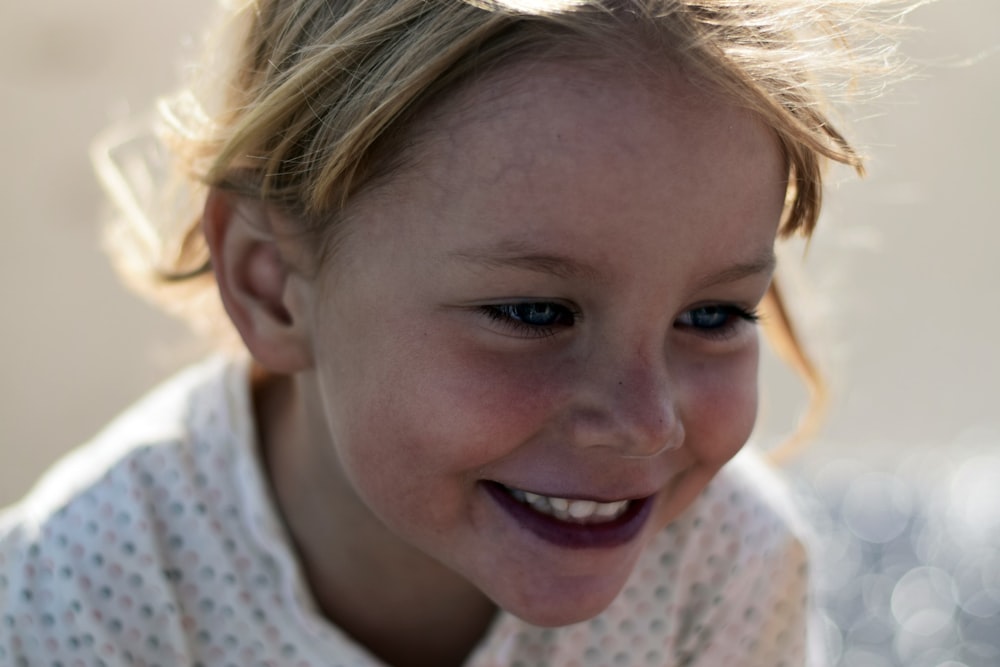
[
  {"x": 505, "y": 314},
  {"x": 734, "y": 317}
]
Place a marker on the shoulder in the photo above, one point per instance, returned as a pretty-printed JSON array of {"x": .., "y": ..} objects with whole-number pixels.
[
  {"x": 735, "y": 571},
  {"x": 752, "y": 499},
  {"x": 162, "y": 424},
  {"x": 91, "y": 551},
  {"x": 745, "y": 517}
]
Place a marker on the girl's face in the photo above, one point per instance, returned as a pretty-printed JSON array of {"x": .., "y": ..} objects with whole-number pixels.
[{"x": 534, "y": 346}]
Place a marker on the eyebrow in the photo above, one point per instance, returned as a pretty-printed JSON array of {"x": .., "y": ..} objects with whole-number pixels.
[
  {"x": 764, "y": 263},
  {"x": 521, "y": 255}
]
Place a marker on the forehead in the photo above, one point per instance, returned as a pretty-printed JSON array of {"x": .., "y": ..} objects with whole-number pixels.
[
  {"x": 551, "y": 151},
  {"x": 535, "y": 119}
]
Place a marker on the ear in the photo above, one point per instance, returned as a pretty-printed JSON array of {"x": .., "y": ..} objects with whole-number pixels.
[{"x": 260, "y": 289}]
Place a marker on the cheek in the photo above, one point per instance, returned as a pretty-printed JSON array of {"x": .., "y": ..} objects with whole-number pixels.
[
  {"x": 440, "y": 408},
  {"x": 722, "y": 406},
  {"x": 425, "y": 423}
]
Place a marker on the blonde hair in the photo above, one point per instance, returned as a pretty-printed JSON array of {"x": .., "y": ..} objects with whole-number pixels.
[{"x": 320, "y": 97}]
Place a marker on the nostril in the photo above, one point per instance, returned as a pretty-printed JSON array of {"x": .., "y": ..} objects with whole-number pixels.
[
  {"x": 668, "y": 437},
  {"x": 667, "y": 447}
]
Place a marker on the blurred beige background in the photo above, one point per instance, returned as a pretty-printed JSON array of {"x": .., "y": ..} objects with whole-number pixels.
[{"x": 900, "y": 291}]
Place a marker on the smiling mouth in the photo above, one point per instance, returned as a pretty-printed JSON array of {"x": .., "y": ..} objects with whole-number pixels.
[
  {"x": 573, "y": 523},
  {"x": 574, "y": 511}
]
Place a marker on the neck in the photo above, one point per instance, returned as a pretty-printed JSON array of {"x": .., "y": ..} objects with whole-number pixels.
[{"x": 388, "y": 595}]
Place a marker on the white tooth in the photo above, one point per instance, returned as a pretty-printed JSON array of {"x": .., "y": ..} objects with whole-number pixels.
[
  {"x": 581, "y": 509},
  {"x": 605, "y": 510},
  {"x": 541, "y": 503},
  {"x": 608, "y": 510},
  {"x": 578, "y": 511}
]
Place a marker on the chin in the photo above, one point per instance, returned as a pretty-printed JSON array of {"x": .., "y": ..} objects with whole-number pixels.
[
  {"x": 557, "y": 608},
  {"x": 560, "y": 616}
]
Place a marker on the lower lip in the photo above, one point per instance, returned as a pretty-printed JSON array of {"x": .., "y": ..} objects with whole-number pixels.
[{"x": 568, "y": 535}]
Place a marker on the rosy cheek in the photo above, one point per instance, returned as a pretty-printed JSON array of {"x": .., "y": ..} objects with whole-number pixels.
[
  {"x": 467, "y": 406},
  {"x": 720, "y": 407}
]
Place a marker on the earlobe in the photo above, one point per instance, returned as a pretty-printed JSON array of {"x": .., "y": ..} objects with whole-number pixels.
[{"x": 256, "y": 282}]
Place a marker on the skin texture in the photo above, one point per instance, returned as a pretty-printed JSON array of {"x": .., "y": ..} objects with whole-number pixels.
[{"x": 634, "y": 207}]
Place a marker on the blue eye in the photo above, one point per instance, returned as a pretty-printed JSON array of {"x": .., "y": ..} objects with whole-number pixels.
[
  {"x": 715, "y": 318},
  {"x": 537, "y": 318}
]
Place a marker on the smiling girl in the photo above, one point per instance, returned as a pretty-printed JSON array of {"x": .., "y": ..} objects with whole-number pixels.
[{"x": 496, "y": 269}]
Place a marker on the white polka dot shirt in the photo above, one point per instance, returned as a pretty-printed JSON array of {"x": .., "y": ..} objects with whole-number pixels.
[{"x": 157, "y": 544}]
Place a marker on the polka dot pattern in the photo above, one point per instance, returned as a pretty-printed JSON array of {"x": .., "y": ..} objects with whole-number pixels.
[{"x": 156, "y": 545}]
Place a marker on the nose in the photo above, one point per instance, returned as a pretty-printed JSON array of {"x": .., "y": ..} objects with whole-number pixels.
[{"x": 628, "y": 403}]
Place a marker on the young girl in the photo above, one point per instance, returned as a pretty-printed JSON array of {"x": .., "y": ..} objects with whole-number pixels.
[{"x": 496, "y": 266}]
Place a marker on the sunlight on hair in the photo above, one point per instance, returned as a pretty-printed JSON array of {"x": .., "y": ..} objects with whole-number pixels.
[{"x": 531, "y": 6}]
